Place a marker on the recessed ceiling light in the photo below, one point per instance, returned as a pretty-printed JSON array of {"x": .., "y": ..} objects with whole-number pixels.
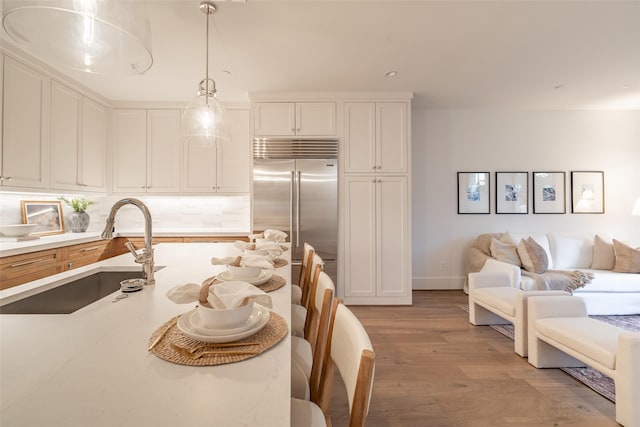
[
  {"x": 558, "y": 87},
  {"x": 392, "y": 73}
]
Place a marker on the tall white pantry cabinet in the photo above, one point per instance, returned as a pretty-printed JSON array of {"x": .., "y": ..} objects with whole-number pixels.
[{"x": 376, "y": 203}]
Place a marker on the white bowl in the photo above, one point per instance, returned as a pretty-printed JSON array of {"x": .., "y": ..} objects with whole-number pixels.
[
  {"x": 240, "y": 273},
  {"x": 17, "y": 230},
  {"x": 214, "y": 318}
]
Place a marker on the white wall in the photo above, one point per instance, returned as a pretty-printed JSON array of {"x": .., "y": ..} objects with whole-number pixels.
[{"x": 445, "y": 142}]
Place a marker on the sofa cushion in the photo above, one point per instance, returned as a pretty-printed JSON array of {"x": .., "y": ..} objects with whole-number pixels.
[
  {"x": 506, "y": 252},
  {"x": 603, "y": 255},
  {"x": 540, "y": 239},
  {"x": 595, "y": 339},
  {"x": 627, "y": 258},
  {"x": 570, "y": 251},
  {"x": 533, "y": 256},
  {"x": 501, "y": 298}
]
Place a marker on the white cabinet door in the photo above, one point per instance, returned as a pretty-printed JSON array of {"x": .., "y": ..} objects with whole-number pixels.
[
  {"x": 392, "y": 151},
  {"x": 93, "y": 152},
  {"x": 78, "y": 141},
  {"x": 360, "y": 236},
  {"x": 147, "y": 151},
  {"x": 25, "y": 132},
  {"x": 66, "y": 105},
  {"x": 199, "y": 170},
  {"x": 291, "y": 119},
  {"x": 225, "y": 168},
  {"x": 315, "y": 118},
  {"x": 392, "y": 237},
  {"x": 234, "y": 157},
  {"x": 359, "y": 152},
  {"x": 163, "y": 151},
  {"x": 376, "y": 137},
  {"x": 130, "y": 150},
  {"x": 376, "y": 243},
  {"x": 274, "y": 119}
]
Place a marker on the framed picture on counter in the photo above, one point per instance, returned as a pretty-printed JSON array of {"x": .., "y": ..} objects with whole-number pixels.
[
  {"x": 473, "y": 193},
  {"x": 512, "y": 192},
  {"x": 549, "y": 193},
  {"x": 47, "y": 214},
  {"x": 587, "y": 192}
]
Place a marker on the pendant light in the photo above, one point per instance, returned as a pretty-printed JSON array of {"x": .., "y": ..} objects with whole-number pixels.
[
  {"x": 94, "y": 36},
  {"x": 203, "y": 120}
]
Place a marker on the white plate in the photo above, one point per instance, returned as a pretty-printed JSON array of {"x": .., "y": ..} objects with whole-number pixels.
[
  {"x": 260, "y": 279},
  {"x": 184, "y": 324}
]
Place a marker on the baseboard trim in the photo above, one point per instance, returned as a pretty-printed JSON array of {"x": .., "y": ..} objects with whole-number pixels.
[{"x": 437, "y": 283}]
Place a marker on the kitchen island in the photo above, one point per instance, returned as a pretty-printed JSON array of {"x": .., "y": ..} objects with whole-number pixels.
[{"x": 92, "y": 368}]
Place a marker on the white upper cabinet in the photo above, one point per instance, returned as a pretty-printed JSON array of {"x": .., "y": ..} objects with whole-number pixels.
[
  {"x": 224, "y": 168},
  {"x": 163, "y": 151},
  {"x": 294, "y": 119},
  {"x": 234, "y": 157},
  {"x": 25, "y": 132},
  {"x": 376, "y": 137},
  {"x": 78, "y": 141},
  {"x": 94, "y": 146},
  {"x": 147, "y": 151}
]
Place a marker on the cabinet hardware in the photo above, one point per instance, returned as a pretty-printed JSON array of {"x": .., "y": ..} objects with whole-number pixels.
[
  {"x": 20, "y": 264},
  {"x": 92, "y": 248}
]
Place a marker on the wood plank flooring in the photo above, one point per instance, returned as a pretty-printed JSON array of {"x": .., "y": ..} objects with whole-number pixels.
[{"x": 433, "y": 368}]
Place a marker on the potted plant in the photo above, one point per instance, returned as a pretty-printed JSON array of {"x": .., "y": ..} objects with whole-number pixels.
[{"x": 79, "y": 219}]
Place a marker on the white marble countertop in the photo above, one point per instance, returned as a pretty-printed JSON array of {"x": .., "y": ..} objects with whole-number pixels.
[
  {"x": 92, "y": 368},
  {"x": 8, "y": 248}
]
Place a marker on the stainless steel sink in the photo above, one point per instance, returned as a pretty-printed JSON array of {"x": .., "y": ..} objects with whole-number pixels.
[{"x": 71, "y": 296}]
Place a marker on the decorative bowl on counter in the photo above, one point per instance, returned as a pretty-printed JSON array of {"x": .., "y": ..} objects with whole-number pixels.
[{"x": 17, "y": 230}]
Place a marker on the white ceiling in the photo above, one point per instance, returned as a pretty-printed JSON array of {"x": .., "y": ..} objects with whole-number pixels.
[{"x": 451, "y": 54}]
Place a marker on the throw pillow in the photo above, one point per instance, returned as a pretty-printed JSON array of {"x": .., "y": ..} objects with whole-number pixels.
[
  {"x": 533, "y": 256},
  {"x": 505, "y": 252},
  {"x": 627, "y": 258},
  {"x": 604, "y": 258}
]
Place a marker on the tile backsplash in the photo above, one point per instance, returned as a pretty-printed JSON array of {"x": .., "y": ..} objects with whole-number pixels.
[{"x": 169, "y": 213}]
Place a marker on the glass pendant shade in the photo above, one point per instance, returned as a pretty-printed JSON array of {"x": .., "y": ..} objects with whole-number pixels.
[
  {"x": 203, "y": 122},
  {"x": 95, "y": 36}
]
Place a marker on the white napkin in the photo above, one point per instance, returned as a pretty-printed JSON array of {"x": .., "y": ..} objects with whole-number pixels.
[
  {"x": 244, "y": 245},
  {"x": 268, "y": 246},
  {"x": 275, "y": 235},
  {"x": 225, "y": 295},
  {"x": 261, "y": 261},
  {"x": 223, "y": 261}
]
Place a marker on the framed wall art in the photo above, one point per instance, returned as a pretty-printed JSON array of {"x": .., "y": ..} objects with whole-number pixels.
[
  {"x": 473, "y": 193},
  {"x": 47, "y": 214},
  {"x": 549, "y": 193},
  {"x": 587, "y": 192},
  {"x": 512, "y": 192}
]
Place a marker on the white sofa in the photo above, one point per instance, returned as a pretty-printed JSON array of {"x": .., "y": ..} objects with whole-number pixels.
[
  {"x": 561, "y": 335},
  {"x": 609, "y": 293}
]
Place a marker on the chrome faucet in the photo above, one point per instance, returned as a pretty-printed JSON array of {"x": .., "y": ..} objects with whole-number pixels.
[{"x": 146, "y": 257}]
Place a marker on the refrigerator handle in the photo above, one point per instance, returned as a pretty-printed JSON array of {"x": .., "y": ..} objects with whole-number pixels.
[
  {"x": 291, "y": 191},
  {"x": 298, "y": 182}
]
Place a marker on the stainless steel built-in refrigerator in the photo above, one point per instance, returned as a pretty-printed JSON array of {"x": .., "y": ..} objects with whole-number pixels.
[{"x": 295, "y": 190}]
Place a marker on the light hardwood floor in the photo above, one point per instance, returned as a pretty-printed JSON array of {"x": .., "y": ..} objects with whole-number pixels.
[{"x": 433, "y": 368}]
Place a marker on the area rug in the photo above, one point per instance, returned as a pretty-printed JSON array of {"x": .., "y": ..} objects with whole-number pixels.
[{"x": 593, "y": 379}]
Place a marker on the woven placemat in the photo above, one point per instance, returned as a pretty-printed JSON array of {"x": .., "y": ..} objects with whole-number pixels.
[
  {"x": 279, "y": 262},
  {"x": 275, "y": 329},
  {"x": 276, "y": 282}
]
